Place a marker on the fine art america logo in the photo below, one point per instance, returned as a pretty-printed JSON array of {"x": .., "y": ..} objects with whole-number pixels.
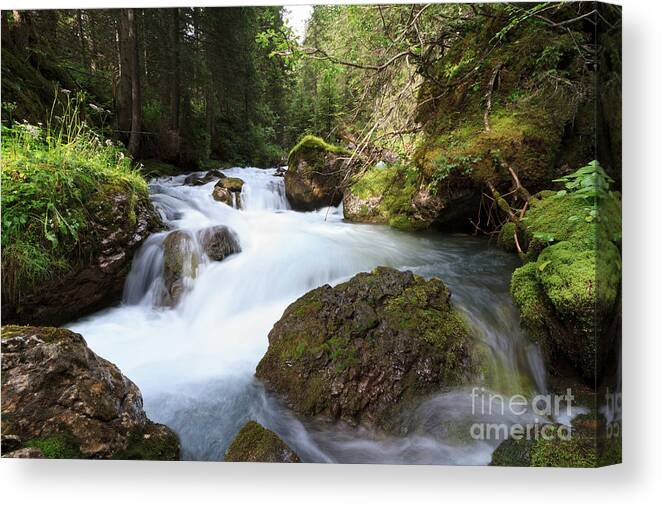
[{"x": 534, "y": 416}]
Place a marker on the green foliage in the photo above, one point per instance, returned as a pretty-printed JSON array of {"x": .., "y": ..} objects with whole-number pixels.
[
  {"x": 48, "y": 176},
  {"x": 462, "y": 164},
  {"x": 56, "y": 447},
  {"x": 591, "y": 185},
  {"x": 586, "y": 212}
]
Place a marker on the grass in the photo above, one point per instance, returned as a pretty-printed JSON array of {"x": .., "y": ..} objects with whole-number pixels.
[{"x": 49, "y": 173}]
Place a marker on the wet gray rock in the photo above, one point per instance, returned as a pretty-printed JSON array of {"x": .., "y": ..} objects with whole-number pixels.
[
  {"x": 218, "y": 242},
  {"x": 181, "y": 260},
  {"x": 196, "y": 180}
]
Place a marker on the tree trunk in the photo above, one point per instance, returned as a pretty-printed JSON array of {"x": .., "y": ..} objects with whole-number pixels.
[
  {"x": 175, "y": 83},
  {"x": 136, "y": 102},
  {"x": 124, "y": 100},
  {"x": 84, "y": 54}
]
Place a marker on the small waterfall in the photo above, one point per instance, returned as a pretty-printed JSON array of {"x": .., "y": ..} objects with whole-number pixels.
[
  {"x": 146, "y": 270},
  {"x": 263, "y": 192},
  {"x": 194, "y": 361}
]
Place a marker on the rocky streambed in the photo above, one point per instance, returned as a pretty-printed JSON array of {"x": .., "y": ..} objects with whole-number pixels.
[
  {"x": 195, "y": 358},
  {"x": 365, "y": 341}
]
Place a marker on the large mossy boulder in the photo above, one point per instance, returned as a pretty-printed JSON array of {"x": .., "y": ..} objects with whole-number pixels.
[
  {"x": 118, "y": 220},
  {"x": 315, "y": 174},
  {"x": 568, "y": 292},
  {"x": 255, "y": 443},
  {"x": 364, "y": 349},
  {"x": 61, "y": 398}
]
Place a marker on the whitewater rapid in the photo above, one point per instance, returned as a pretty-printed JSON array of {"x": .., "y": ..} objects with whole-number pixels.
[{"x": 195, "y": 363}]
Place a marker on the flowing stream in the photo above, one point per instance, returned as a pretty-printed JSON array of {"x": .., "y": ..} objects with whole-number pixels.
[{"x": 195, "y": 363}]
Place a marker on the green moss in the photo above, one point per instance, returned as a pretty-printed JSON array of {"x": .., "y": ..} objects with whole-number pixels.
[
  {"x": 442, "y": 329},
  {"x": 46, "y": 334},
  {"x": 572, "y": 282},
  {"x": 385, "y": 195},
  {"x": 254, "y": 443},
  {"x": 375, "y": 182},
  {"x": 579, "y": 451},
  {"x": 406, "y": 223},
  {"x": 553, "y": 217},
  {"x": 506, "y": 239},
  {"x": 57, "y": 446},
  {"x": 528, "y": 296},
  {"x": 310, "y": 143},
  {"x": 513, "y": 453}
]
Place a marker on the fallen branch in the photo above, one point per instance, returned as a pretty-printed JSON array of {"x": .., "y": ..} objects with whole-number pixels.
[{"x": 518, "y": 188}]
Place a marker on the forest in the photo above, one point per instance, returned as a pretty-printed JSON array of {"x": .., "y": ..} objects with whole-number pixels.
[{"x": 311, "y": 248}]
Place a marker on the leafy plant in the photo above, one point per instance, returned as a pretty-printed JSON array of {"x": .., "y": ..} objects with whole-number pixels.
[
  {"x": 49, "y": 175},
  {"x": 591, "y": 184}
]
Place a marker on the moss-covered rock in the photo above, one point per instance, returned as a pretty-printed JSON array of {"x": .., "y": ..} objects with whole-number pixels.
[
  {"x": 314, "y": 175},
  {"x": 67, "y": 402},
  {"x": 362, "y": 350},
  {"x": 228, "y": 191},
  {"x": 506, "y": 237},
  {"x": 579, "y": 451},
  {"x": 568, "y": 292},
  {"x": 255, "y": 443},
  {"x": 181, "y": 259},
  {"x": 384, "y": 195},
  {"x": 118, "y": 218}
]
